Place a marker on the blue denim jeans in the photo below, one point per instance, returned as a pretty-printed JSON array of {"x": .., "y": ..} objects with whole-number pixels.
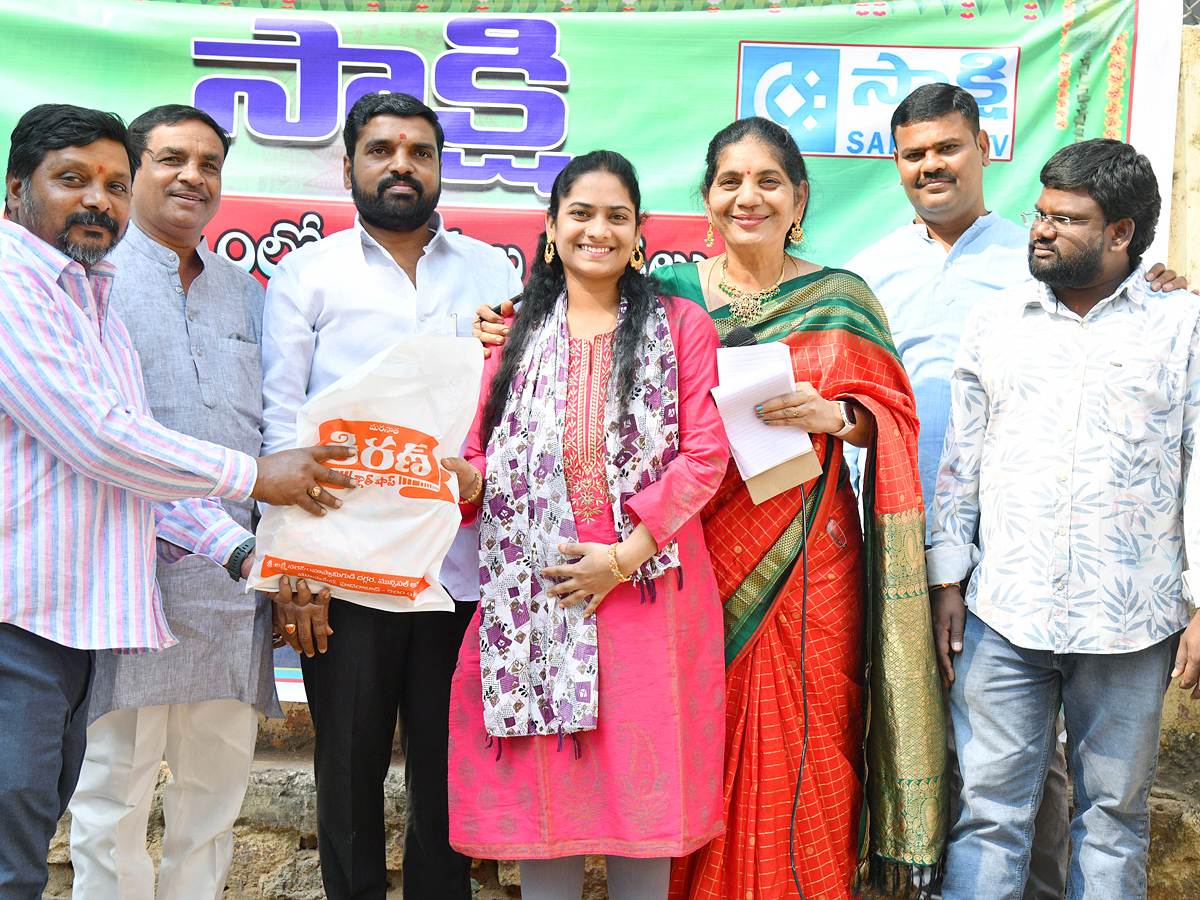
[{"x": 1003, "y": 706}]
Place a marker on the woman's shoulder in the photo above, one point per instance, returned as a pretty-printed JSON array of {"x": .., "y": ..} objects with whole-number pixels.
[
  {"x": 678, "y": 280},
  {"x": 688, "y": 319},
  {"x": 833, "y": 279},
  {"x": 843, "y": 284},
  {"x": 853, "y": 291}
]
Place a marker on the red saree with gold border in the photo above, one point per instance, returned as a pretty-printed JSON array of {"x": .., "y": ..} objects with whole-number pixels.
[{"x": 856, "y": 612}]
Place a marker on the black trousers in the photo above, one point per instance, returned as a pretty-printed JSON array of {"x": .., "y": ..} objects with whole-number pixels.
[{"x": 379, "y": 665}]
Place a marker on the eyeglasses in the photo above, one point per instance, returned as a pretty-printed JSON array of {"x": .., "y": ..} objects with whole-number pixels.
[{"x": 1058, "y": 223}]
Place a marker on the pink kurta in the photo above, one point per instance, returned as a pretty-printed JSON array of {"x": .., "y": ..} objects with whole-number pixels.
[{"x": 647, "y": 781}]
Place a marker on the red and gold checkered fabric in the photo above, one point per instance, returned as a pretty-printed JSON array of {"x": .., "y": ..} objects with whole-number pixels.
[{"x": 764, "y": 701}]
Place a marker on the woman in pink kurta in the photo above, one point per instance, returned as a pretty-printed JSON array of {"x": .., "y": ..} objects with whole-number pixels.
[{"x": 622, "y": 754}]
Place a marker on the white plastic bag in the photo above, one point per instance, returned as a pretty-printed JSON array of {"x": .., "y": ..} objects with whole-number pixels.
[{"x": 404, "y": 410}]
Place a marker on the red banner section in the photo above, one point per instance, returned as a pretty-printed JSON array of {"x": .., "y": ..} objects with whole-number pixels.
[
  {"x": 351, "y": 579},
  {"x": 256, "y": 232}
]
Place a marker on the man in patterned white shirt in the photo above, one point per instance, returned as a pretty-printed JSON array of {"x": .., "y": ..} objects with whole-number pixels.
[{"x": 1072, "y": 424}]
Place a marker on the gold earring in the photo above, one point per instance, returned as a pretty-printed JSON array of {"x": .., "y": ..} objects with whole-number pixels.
[
  {"x": 636, "y": 259},
  {"x": 797, "y": 232},
  {"x": 708, "y": 238},
  {"x": 548, "y": 255}
]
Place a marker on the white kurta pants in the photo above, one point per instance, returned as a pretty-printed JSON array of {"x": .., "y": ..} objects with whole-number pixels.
[{"x": 209, "y": 747}]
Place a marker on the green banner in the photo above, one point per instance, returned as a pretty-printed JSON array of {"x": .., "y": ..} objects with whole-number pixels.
[{"x": 520, "y": 93}]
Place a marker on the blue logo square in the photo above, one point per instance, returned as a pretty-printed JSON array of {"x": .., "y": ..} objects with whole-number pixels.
[{"x": 794, "y": 86}]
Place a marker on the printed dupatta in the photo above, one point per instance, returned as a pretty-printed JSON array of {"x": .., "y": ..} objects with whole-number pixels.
[{"x": 538, "y": 662}]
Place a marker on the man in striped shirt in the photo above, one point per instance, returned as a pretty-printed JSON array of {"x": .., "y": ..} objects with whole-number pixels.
[{"x": 89, "y": 479}]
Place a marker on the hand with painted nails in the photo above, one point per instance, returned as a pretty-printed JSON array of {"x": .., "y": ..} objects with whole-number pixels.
[
  {"x": 300, "y": 619},
  {"x": 805, "y": 408}
]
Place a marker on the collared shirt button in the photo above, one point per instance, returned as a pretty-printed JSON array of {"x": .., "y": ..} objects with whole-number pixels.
[
  {"x": 178, "y": 289},
  {"x": 1061, "y": 530},
  {"x": 1084, "y": 326},
  {"x": 199, "y": 351},
  {"x": 1061, "y": 585},
  {"x": 171, "y": 257},
  {"x": 191, "y": 317},
  {"x": 1062, "y": 476}
]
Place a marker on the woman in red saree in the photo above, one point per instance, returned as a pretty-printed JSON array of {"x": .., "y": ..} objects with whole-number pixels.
[{"x": 827, "y": 645}]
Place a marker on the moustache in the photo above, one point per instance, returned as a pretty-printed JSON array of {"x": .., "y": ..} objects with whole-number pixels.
[
  {"x": 401, "y": 179},
  {"x": 925, "y": 180},
  {"x": 93, "y": 220}
]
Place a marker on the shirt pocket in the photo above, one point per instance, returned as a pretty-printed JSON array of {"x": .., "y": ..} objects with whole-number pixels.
[
  {"x": 1138, "y": 400},
  {"x": 241, "y": 364}
]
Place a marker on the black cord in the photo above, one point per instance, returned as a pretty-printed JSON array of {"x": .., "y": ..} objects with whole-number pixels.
[{"x": 803, "y": 686}]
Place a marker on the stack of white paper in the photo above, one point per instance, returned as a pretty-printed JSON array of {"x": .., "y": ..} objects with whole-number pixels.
[{"x": 750, "y": 376}]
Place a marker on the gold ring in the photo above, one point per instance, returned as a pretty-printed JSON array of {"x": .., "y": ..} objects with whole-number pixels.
[
  {"x": 314, "y": 491},
  {"x": 289, "y": 628}
]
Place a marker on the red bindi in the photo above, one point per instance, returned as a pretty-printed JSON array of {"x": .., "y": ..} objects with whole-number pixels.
[{"x": 403, "y": 137}]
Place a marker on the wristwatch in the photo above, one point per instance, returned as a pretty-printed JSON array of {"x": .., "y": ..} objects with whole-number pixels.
[
  {"x": 848, "y": 420},
  {"x": 234, "y": 566}
]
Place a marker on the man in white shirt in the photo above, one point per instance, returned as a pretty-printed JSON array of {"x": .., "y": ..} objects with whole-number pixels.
[
  {"x": 330, "y": 306},
  {"x": 1073, "y": 416}
]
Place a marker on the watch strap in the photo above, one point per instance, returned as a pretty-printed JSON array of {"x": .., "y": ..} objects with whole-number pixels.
[
  {"x": 848, "y": 419},
  {"x": 234, "y": 566}
]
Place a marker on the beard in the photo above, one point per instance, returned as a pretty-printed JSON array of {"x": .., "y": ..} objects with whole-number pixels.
[
  {"x": 1057, "y": 272},
  {"x": 87, "y": 255},
  {"x": 393, "y": 213}
]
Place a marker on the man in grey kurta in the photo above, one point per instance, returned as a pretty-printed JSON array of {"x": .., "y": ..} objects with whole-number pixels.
[{"x": 196, "y": 322}]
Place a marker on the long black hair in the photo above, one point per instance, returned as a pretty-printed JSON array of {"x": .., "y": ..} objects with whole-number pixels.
[{"x": 547, "y": 283}]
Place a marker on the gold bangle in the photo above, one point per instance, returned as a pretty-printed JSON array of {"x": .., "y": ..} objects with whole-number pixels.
[
  {"x": 612, "y": 563},
  {"x": 478, "y": 489}
]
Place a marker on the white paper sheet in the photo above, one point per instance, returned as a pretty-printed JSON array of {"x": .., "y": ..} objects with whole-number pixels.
[{"x": 747, "y": 377}]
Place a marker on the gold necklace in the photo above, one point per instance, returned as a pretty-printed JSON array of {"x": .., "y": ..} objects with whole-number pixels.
[{"x": 746, "y": 306}]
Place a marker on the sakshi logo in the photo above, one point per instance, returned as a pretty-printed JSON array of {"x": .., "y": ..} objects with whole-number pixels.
[{"x": 838, "y": 100}]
